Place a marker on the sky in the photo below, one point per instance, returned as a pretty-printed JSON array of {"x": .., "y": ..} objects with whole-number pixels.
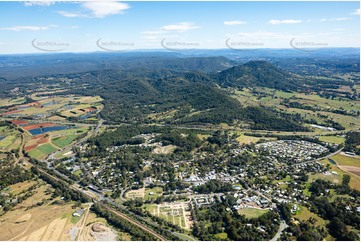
[{"x": 37, "y": 27}]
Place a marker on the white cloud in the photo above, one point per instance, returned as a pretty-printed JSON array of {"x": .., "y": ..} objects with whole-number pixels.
[
  {"x": 287, "y": 21},
  {"x": 180, "y": 27},
  {"x": 356, "y": 12},
  {"x": 153, "y": 32},
  {"x": 26, "y": 28},
  {"x": 334, "y": 19},
  {"x": 71, "y": 15},
  {"x": 98, "y": 9},
  {"x": 103, "y": 9},
  {"x": 156, "y": 35},
  {"x": 38, "y": 3},
  {"x": 261, "y": 35},
  {"x": 234, "y": 22},
  {"x": 342, "y": 19}
]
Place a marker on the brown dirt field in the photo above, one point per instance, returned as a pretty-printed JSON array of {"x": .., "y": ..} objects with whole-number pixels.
[
  {"x": 136, "y": 193},
  {"x": 54, "y": 229},
  {"x": 18, "y": 122},
  {"x": 24, "y": 218},
  {"x": 29, "y": 148},
  {"x": 40, "y": 217},
  {"x": 38, "y": 136},
  {"x": 36, "y": 126},
  {"x": 20, "y": 187},
  {"x": 38, "y": 141},
  {"x": 56, "y": 118},
  {"x": 38, "y": 196},
  {"x": 351, "y": 169},
  {"x": 35, "y": 235},
  {"x": 87, "y": 110},
  {"x": 12, "y": 112},
  {"x": 164, "y": 149}
]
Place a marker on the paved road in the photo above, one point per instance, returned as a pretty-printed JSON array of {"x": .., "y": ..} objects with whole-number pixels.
[{"x": 282, "y": 227}]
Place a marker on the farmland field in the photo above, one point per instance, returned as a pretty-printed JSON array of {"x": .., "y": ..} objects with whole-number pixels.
[
  {"x": 47, "y": 149},
  {"x": 35, "y": 153},
  {"x": 52, "y": 107},
  {"x": 10, "y": 101},
  {"x": 332, "y": 139},
  {"x": 273, "y": 98},
  {"x": 10, "y": 138},
  {"x": 343, "y": 160},
  {"x": 7, "y": 141},
  {"x": 42, "y": 151},
  {"x": 63, "y": 141}
]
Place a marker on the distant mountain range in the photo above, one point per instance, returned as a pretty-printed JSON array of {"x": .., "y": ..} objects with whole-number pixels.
[{"x": 15, "y": 66}]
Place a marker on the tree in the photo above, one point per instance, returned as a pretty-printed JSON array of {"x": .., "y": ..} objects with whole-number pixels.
[
  {"x": 337, "y": 228},
  {"x": 346, "y": 180}
]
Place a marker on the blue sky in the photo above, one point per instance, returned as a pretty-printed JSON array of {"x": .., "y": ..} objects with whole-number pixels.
[{"x": 30, "y": 27}]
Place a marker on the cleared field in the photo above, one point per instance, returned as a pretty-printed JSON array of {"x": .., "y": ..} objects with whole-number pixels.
[
  {"x": 35, "y": 153},
  {"x": 164, "y": 149},
  {"x": 329, "y": 177},
  {"x": 203, "y": 136},
  {"x": 244, "y": 139},
  {"x": 42, "y": 151},
  {"x": 7, "y": 141},
  {"x": 47, "y": 149},
  {"x": 305, "y": 215},
  {"x": 63, "y": 141},
  {"x": 221, "y": 236},
  {"x": 152, "y": 193},
  {"x": 351, "y": 169},
  {"x": 355, "y": 180},
  {"x": 9, "y": 138},
  {"x": 70, "y": 131},
  {"x": 31, "y": 221},
  {"x": 332, "y": 139},
  {"x": 135, "y": 193},
  {"x": 63, "y": 154},
  {"x": 21, "y": 187},
  {"x": 252, "y": 212},
  {"x": 68, "y": 106},
  {"x": 273, "y": 98},
  {"x": 343, "y": 160},
  {"x": 8, "y": 101}
]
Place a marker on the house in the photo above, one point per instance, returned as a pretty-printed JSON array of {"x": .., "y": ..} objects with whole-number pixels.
[
  {"x": 263, "y": 201},
  {"x": 78, "y": 213}
]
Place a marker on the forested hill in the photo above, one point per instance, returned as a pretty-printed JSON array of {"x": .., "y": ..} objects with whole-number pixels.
[
  {"x": 174, "y": 97},
  {"x": 25, "y": 66},
  {"x": 257, "y": 73}
]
